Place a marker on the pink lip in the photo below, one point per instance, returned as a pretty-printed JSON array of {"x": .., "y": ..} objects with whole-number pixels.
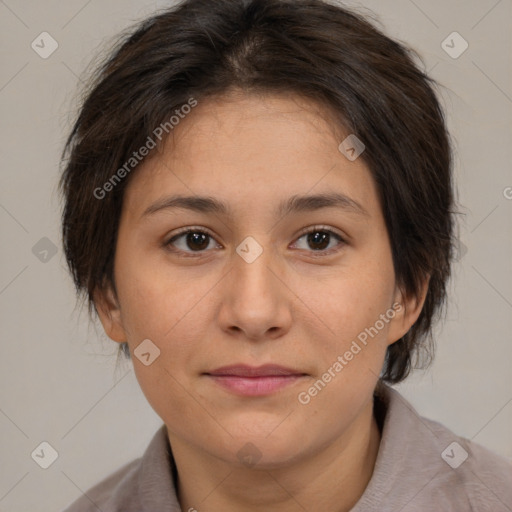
[{"x": 254, "y": 381}]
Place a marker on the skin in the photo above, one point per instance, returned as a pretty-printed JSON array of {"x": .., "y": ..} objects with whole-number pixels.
[{"x": 290, "y": 306}]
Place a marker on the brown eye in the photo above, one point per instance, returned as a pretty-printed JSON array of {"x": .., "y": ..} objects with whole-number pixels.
[
  {"x": 319, "y": 240},
  {"x": 190, "y": 241}
]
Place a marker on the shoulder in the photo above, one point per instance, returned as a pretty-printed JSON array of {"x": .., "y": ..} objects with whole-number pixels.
[
  {"x": 116, "y": 493},
  {"x": 476, "y": 474},
  {"x": 423, "y": 465},
  {"x": 145, "y": 484}
]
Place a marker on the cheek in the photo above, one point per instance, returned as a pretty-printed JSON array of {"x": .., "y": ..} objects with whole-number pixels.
[
  {"x": 169, "y": 316},
  {"x": 168, "y": 310},
  {"x": 351, "y": 353},
  {"x": 166, "y": 392},
  {"x": 356, "y": 300},
  {"x": 153, "y": 301}
]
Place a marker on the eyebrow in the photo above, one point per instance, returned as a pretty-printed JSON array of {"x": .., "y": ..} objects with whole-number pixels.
[{"x": 295, "y": 204}]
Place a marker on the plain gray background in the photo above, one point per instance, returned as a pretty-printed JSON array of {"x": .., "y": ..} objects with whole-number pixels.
[{"x": 59, "y": 380}]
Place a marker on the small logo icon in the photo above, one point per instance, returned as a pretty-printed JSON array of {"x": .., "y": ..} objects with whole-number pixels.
[
  {"x": 44, "y": 250},
  {"x": 45, "y": 455},
  {"x": 507, "y": 193},
  {"x": 454, "y": 45},
  {"x": 249, "y": 455},
  {"x": 249, "y": 249},
  {"x": 454, "y": 455},
  {"x": 147, "y": 352},
  {"x": 44, "y": 45},
  {"x": 352, "y": 147}
]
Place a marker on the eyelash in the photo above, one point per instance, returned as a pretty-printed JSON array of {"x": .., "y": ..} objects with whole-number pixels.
[{"x": 195, "y": 254}]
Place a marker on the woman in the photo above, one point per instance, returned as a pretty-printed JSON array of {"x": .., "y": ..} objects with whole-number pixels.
[{"x": 259, "y": 207}]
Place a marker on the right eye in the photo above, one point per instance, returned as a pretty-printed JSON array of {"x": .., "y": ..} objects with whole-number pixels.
[{"x": 189, "y": 238}]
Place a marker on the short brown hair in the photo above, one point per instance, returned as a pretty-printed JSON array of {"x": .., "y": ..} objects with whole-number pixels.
[{"x": 203, "y": 48}]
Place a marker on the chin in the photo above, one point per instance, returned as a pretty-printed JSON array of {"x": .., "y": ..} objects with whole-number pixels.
[{"x": 266, "y": 449}]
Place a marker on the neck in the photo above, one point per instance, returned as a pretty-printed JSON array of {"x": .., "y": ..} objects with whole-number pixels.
[{"x": 332, "y": 478}]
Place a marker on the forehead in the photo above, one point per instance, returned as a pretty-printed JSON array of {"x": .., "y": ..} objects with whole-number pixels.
[{"x": 250, "y": 150}]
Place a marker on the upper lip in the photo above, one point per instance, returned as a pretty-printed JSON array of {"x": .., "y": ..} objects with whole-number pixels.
[{"x": 243, "y": 370}]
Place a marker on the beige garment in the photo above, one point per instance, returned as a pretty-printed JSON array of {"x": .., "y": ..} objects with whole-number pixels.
[{"x": 421, "y": 466}]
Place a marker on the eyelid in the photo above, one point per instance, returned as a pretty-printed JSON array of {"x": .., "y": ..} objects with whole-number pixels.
[
  {"x": 194, "y": 229},
  {"x": 320, "y": 227},
  {"x": 188, "y": 229},
  {"x": 304, "y": 231}
]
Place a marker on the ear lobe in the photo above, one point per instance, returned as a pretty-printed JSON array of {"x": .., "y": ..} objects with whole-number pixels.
[
  {"x": 407, "y": 312},
  {"x": 109, "y": 313}
]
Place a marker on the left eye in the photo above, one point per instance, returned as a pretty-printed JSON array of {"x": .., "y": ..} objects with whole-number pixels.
[
  {"x": 198, "y": 241},
  {"x": 320, "y": 239}
]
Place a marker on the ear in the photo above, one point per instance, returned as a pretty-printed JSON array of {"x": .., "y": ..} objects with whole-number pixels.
[
  {"x": 407, "y": 310},
  {"x": 109, "y": 312}
]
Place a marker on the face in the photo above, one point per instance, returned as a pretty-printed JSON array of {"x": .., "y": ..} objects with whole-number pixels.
[{"x": 310, "y": 288}]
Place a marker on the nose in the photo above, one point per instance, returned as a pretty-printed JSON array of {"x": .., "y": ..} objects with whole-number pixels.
[{"x": 256, "y": 303}]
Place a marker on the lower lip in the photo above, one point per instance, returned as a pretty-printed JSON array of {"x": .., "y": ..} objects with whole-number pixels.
[{"x": 255, "y": 386}]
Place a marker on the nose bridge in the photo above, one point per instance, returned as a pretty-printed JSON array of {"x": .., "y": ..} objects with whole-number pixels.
[
  {"x": 254, "y": 280},
  {"x": 254, "y": 301}
]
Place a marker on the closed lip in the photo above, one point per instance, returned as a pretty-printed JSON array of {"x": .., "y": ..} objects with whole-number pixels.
[{"x": 243, "y": 370}]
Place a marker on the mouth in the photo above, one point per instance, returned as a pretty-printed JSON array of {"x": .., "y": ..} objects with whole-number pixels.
[{"x": 255, "y": 381}]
